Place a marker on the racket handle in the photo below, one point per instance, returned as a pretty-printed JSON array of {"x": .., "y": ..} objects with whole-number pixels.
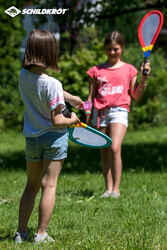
[
  {"x": 145, "y": 71},
  {"x": 66, "y": 113},
  {"x": 79, "y": 125}
]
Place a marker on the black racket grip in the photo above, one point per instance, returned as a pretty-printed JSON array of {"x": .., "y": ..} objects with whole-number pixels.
[
  {"x": 145, "y": 71},
  {"x": 66, "y": 113}
]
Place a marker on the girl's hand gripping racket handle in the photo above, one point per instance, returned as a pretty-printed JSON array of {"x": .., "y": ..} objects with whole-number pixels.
[
  {"x": 67, "y": 114},
  {"x": 145, "y": 71}
]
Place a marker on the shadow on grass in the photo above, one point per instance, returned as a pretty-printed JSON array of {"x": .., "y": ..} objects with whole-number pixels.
[
  {"x": 7, "y": 234},
  {"x": 147, "y": 157},
  {"x": 140, "y": 157}
]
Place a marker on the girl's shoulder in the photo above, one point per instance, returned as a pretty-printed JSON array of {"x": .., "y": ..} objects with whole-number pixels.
[
  {"x": 131, "y": 70},
  {"x": 96, "y": 68},
  {"x": 129, "y": 66},
  {"x": 43, "y": 81},
  {"x": 43, "y": 77},
  {"x": 104, "y": 66},
  {"x": 51, "y": 81}
]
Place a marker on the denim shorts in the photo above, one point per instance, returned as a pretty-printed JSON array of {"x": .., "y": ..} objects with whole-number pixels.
[
  {"x": 50, "y": 146},
  {"x": 110, "y": 115}
]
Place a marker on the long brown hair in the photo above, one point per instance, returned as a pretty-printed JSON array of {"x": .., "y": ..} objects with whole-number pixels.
[{"x": 41, "y": 50}]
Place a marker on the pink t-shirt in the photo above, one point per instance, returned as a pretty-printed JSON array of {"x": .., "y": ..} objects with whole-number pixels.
[{"x": 113, "y": 85}]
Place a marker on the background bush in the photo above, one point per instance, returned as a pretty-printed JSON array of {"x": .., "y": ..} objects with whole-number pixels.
[{"x": 11, "y": 109}]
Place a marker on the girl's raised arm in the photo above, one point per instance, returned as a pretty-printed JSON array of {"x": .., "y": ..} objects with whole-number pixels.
[{"x": 137, "y": 89}]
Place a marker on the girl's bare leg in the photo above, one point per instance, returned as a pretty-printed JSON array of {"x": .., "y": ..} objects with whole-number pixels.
[
  {"x": 117, "y": 132},
  {"x": 34, "y": 172},
  {"x": 47, "y": 202},
  {"x": 111, "y": 157},
  {"x": 106, "y": 158}
]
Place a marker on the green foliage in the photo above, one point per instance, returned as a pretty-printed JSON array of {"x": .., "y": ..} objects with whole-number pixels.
[
  {"x": 11, "y": 110},
  {"x": 129, "y": 31},
  {"x": 150, "y": 109}
]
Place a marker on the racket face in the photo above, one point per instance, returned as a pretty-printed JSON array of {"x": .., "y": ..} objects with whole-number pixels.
[
  {"x": 150, "y": 27},
  {"x": 89, "y": 137}
]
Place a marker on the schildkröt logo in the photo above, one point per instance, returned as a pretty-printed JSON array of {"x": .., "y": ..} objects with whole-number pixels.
[{"x": 13, "y": 11}]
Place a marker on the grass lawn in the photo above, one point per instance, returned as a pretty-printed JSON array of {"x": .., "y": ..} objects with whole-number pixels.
[{"x": 81, "y": 220}]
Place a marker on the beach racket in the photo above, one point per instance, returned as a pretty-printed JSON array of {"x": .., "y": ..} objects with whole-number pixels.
[
  {"x": 148, "y": 31},
  {"x": 87, "y": 136}
]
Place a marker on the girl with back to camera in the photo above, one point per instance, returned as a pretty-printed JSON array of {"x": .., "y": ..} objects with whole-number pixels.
[
  {"x": 111, "y": 86},
  {"x": 45, "y": 131}
]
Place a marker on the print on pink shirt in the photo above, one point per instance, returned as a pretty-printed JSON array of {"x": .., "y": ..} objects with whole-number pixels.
[{"x": 108, "y": 89}]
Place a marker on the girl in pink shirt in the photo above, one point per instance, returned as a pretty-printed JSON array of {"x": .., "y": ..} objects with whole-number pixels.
[{"x": 111, "y": 86}]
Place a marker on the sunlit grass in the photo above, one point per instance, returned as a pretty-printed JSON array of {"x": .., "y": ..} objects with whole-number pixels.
[{"x": 81, "y": 220}]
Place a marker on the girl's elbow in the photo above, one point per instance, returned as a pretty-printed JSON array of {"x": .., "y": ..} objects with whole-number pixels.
[
  {"x": 135, "y": 98},
  {"x": 55, "y": 123}
]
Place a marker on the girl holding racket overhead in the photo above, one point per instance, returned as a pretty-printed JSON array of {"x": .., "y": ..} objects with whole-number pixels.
[
  {"x": 112, "y": 84},
  {"x": 45, "y": 130}
]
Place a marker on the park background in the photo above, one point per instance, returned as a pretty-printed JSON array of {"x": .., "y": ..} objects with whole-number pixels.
[{"x": 81, "y": 220}]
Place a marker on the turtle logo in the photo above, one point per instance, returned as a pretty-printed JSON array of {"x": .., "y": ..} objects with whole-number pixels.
[{"x": 12, "y": 11}]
